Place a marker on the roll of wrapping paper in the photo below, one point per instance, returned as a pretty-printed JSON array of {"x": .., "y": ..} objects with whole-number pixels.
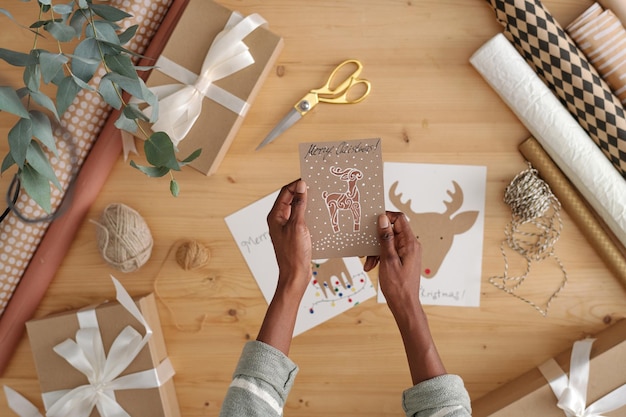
[
  {"x": 59, "y": 236},
  {"x": 576, "y": 207},
  {"x": 601, "y": 37},
  {"x": 616, "y": 6},
  {"x": 74, "y": 135},
  {"x": 552, "y": 125},
  {"x": 563, "y": 67}
]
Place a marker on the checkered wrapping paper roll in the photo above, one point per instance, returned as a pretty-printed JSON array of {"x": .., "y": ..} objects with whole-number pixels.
[
  {"x": 78, "y": 130},
  {"x": 566, "y": 71}
]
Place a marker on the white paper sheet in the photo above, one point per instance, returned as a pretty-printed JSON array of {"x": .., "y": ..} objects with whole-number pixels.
[
  {"x": 458, "y": 276},
  {"x": 249, "y": 229}
]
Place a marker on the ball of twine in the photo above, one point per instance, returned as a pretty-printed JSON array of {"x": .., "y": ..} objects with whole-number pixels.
[
  {"x": 123, "y": 237},
  {"x": 192, "y": 254},
  {"x": 528, "y": 196}
]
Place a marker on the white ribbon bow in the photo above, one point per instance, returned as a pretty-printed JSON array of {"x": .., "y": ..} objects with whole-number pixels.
[
  {"x": 180, "y": 104},
  {"x": 87, "y": 355},
  {"x": 572, "y": 393}
]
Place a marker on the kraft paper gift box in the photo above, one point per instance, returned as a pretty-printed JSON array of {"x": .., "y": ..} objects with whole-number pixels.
[
  {"x": 138, "y": 355},
  {"x": 241, "y": 58},
  {"x": 532, "y": 395}
]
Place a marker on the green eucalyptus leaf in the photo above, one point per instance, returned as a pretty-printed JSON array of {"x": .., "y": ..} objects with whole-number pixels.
[
  {"x": 10, "y": 102},
  {"x": 7, "y": 14},
  {"x": 40, "y": 23},
  {"x": 45, "y": 102},
  {"x": 66, "y": 92},
  {"x": 191, "y": 157},
  {"x": 63, "y": 9},
  {"x": 77, "y": 21},
  {"x": 83, "y": 4},
  {"x": 32, "y": 77},
  {"x": 37, "y": 186},
  {"x": 151, "y": 171},
  {"x": 160, "y": 151},
  {"x": 60, "y": 31},
  {"x": 121, "y": 64},
  {"x": 145, "y": 67},
  {"x": 38, "y": 159},
  {"x": 20, "y": 137},
  {"x": 86, "y": 59},
  {"x": 17, "y": 59},
  {"x": 102, "y": 31},
  {"x": 124, "y": 123},
  {"x": 42, "y": 130},
  {"x": 131, "y": 85},
  {"x": 51, "y": 65},
  {"x": 7, "y": 163},
  {"x": 109, "y": 93},
  {"x": 82, "y": 84},
  {"x": 128, "y": 34},
  {"x": 149, "y": 97},
  {"x": 132, "y": 112},
  {"x": 174, "y": 188},
  {"x": 109, "y": 13},
  {"x": 45, "y": 2}
]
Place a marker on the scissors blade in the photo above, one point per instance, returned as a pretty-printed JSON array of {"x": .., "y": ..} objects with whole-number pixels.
[{"x": 292, "y": 117}]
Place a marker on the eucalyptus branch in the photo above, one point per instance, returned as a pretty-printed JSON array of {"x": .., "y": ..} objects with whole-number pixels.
[{"x": 103, "y": 45}]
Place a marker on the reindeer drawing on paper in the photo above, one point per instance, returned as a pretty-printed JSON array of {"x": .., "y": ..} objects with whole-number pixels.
[
  {"x": 347, "y": 200},
  {"x": 330, "y": 274},
  {"x": 436, "y": 231}
]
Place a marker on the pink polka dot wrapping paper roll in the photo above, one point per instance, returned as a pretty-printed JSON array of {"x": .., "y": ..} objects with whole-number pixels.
[{"x": 75, "y": 135}]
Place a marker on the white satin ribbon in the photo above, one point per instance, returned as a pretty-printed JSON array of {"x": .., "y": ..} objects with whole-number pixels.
[
  {"x": 572, "y": 393},
  {"x": 87, "y": 355},
  {"x": 180, "y": 105}
]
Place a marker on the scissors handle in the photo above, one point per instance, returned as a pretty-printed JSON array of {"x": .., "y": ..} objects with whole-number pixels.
[{"x": 338, "y": 94}]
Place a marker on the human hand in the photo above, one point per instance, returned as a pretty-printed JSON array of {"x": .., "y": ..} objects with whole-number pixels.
[
  {"x": 291, "y": 238},
  {"x": 400, "y": 261}
]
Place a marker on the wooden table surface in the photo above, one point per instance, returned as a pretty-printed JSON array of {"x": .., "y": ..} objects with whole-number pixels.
[{"x": 429, "y": 105}]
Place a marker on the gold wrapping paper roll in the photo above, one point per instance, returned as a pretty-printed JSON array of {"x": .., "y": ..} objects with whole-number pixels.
[{"x": 600, "y": 239}]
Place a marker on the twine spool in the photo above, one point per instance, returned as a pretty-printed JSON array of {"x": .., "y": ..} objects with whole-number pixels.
[
  {"x": 533, "y": 232},
  {"x": 123, "y": 237},
  {"x": 192, "y": 255}
]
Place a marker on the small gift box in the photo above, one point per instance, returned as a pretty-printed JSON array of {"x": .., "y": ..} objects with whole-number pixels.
[
  {"x": 107, "y": 360},
  {"x": 207, "y": 77},
  {"x": 594, "y": 386}
]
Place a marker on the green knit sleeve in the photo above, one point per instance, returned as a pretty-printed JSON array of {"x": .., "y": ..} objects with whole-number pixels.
[
  {"x": 261, "y": 382},
  {"x": 442, "y": 396}
]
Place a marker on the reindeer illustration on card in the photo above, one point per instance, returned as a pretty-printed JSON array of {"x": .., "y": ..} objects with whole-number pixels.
[
  {"x": 445, "y": 208},
  {"x": 345, "y": 196}
]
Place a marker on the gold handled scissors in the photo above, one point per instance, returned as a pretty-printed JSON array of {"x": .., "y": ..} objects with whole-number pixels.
[{"x": 325, "y": 94}]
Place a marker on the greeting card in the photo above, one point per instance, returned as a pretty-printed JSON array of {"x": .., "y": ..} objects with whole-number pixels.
[
  {"x": 336, "y": 284},
  {"x": 445, "y": 206},
  {"x": 345, "y": 196}
]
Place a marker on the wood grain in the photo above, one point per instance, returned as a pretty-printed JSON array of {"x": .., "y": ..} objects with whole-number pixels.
[{"x": 429, "y": 105}]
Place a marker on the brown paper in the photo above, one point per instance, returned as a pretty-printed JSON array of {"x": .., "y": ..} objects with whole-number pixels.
[
  {"x": 345, "y": 196},
  {"x": 56, "y": 374},
  {"x": 600, "y": 238},
  {"x": 602, "y": 38},
  {"x": 43, "y": 264},
  {"x": 531, "y": 395},
  {"x": 217, "y": 126},
  {"x": 616, "y": 6}
]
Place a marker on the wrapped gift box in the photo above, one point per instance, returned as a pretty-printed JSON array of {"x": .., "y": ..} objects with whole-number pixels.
[
  {"x": 531, "y": 395},
  {"x": 188, "y": 47},
  {"x": 57, "y": 376}
]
